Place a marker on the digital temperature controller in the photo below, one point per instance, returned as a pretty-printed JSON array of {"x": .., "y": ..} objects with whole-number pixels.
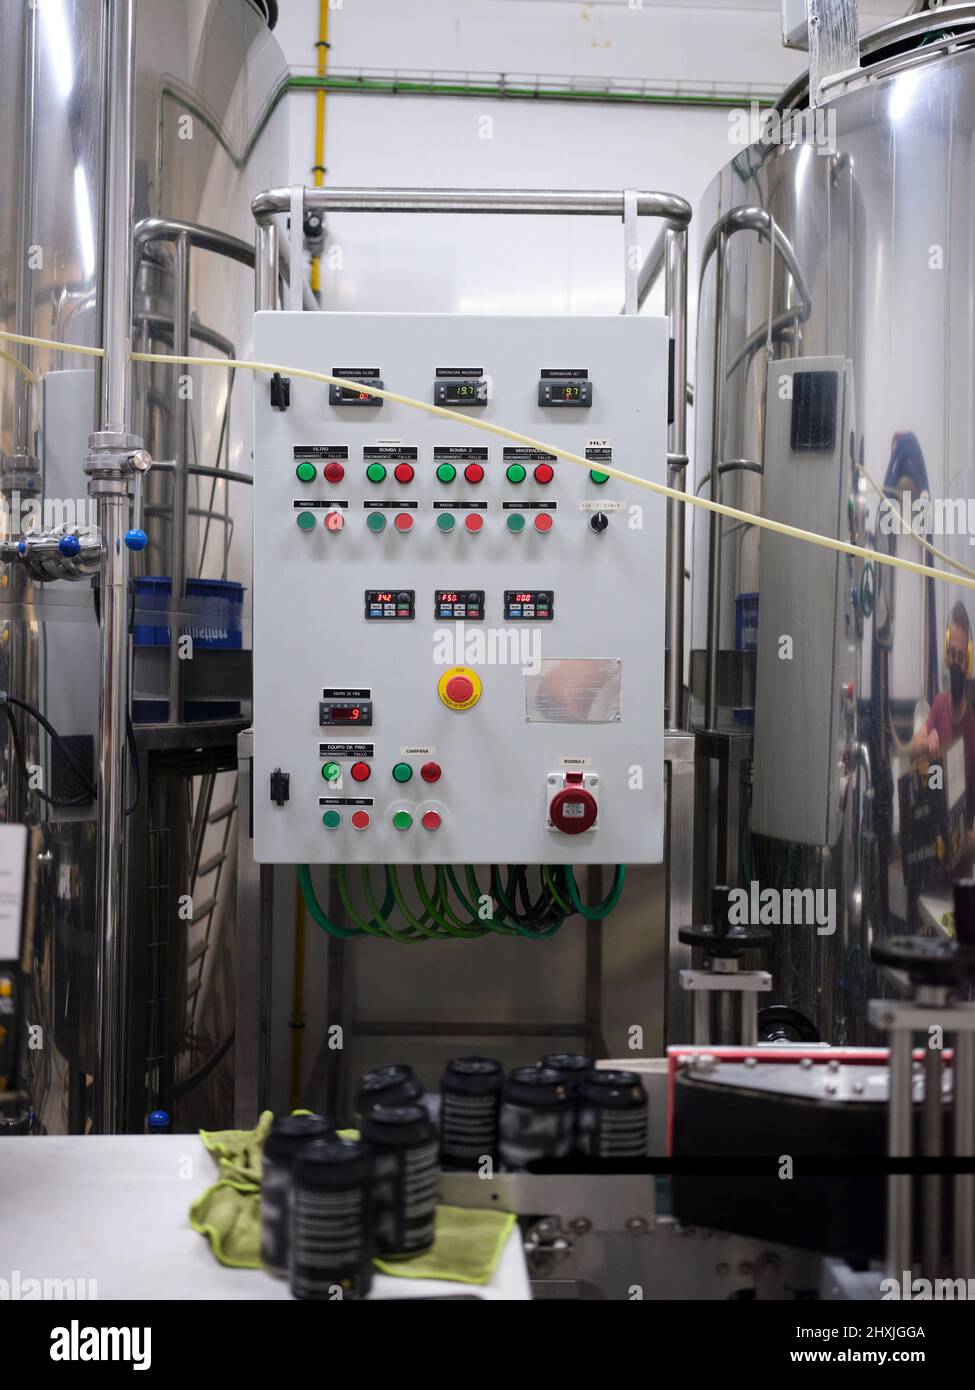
[
  {"x": 467, "y": 391},
  {"x": 344, "y": 712},
  {"x": 458, "y": 603},
  {"x": 390, "y": 603},
  {"x": 538, "y": 604}
]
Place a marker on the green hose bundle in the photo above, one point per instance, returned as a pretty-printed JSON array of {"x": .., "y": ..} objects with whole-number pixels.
[{"x": 445, "y": 912}]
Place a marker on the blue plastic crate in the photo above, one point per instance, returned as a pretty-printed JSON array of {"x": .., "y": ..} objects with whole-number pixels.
[{"x": 217, "y": 605}]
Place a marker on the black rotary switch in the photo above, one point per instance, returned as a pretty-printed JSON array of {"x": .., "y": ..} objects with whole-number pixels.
[{"x": 598, "y": 522}]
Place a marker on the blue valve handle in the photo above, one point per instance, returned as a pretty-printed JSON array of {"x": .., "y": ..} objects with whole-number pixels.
[
  {"x": 69, "y": 546},
  {"x": 136, "y": 539}
]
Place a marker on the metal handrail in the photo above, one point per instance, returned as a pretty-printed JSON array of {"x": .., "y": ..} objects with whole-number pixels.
[{"x": 739, "y": 219}]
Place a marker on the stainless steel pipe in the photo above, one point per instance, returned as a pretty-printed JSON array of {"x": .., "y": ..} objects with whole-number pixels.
[
  {"x": 675, "y": 255},
  {"x": 110, "y": 483},
  {"x": 184, "y": 404},
  {"x": 544, "y": 202}
]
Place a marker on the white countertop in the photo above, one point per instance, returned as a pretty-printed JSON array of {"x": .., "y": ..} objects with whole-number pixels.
[{"x": 116, "y": 1210}]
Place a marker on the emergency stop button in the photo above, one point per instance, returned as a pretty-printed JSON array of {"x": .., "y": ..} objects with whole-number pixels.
[{"x": 459, "y": 688}]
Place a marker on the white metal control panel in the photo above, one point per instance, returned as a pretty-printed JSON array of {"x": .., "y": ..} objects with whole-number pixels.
[{"x": 459, "y": 641}]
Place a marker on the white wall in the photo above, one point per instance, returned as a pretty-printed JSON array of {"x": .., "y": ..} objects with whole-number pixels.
[{"x": 498, "y": 263}]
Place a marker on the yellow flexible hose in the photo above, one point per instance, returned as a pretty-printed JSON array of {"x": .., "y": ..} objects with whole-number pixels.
[{"x": 21, "y": 366}]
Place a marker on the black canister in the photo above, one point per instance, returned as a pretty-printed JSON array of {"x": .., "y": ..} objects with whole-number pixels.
[
  {"x": 470, "y": 1097},
  {"x": 402, "y": 1140},
  {"x": 571, "y": 1066},
  {"x": 611, "y": 1115},
  {"x": 397, "y": 1084},
  {"x": 287, "y": 1137},
  {"x": 536, "y": 1118},
  {"x": 331, "y": 1221}
]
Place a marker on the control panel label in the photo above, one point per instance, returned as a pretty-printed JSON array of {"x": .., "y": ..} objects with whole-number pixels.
[
  {"x": 321, "y": 451},
  {"x": 418, "y": 750},
  {"x": 390, "y": 453},
  {"x": 459, "y": 371},
  {"x": 599, "y": 451},
  {"x": 345, "y": 801},
  {"x": 318, "y": 502},
  {"x": 464, "y": 452},
  {"x": 459, "y": 506},
  {"x": 528, "y": 506},
  {"x": 387, "y": 502},
  {"x": 346, "y": 692},
  {"x": 575, "y": 762},
  {"x": 346, "y": 750},
  {"x": 521, "y": 453},
  {"x": 601, "y": 505},
  {"x": 353, "y": 372},
  {"x": 560, "y": 373}
]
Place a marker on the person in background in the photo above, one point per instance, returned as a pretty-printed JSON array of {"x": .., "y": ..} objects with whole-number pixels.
[{"x": 951, "y": 717}]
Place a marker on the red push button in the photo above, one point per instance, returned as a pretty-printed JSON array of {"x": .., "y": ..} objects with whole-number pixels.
[
  {"x": 334, "y": 521},
  {"x": 544, "y": 473},
  {"x": 474, "y": 473},
  {"x": 544, "y": 522},
  {"x": 360, "y": 819},
  {"x": 430, "y": 772},
  {"x": 474, "y": 521},
  {"x": 403, "y": 521},
  {"x": 460, "y": 689},
  {"x": 334, "y": 472},
  {"x": 360, "y": 772},
  {"x": 430, "y": 820},
  {"x": 403, "y": 472}
]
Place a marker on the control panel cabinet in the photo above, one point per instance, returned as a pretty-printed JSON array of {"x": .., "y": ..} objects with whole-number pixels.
[{"x": 459, "y": 638}]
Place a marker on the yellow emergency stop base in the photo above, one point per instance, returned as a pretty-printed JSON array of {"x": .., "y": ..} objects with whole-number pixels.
[{"x": 451, "y": 674}]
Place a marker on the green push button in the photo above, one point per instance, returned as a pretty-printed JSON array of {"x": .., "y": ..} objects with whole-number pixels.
[
  {"x": 376, "y": 472},
  {"x": 331, "y": 819},
  {"x": 446, "y": 521},
  {"x": 516, "y": 521},
  {"x": 305, "y": 472},
  {"x": 376, "y": 521},
  {"x": 515, "y": 473},
  {"x": 306, "y": 521},
  {"x": 446, "y": 472},
  {"x": 331, "y": 772},
  {"x": 402, "y": 820},
  {"x": 402, "y": 772},
  {"x": 598, "y": 477}
]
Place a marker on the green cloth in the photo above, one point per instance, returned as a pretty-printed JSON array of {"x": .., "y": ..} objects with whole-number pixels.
[
  {"x": 229, "y": 1212},
  {"x": 467, "y": 1243}
]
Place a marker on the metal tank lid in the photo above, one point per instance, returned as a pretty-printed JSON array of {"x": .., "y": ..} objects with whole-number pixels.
[{"x": 889, "y": 49}]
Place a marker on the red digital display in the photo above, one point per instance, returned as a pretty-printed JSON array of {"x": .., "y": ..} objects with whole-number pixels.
[
  {"x": 345, "y": 714},
  {"x": 446, "y": 597},
  {"x": 524, "y": 598},
  {"x": 383, "y": 598}
]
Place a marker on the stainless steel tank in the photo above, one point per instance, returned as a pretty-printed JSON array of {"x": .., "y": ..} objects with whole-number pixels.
[
  {"x": 210, "y": 130},
  {"x": 833, "y": 389}
]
